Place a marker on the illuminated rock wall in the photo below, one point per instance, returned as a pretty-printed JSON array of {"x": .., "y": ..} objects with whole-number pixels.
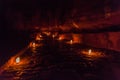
[{"x": 109, "y": 40}]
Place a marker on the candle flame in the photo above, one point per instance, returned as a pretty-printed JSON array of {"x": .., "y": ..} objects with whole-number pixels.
[{"x": 17, "y": 59}]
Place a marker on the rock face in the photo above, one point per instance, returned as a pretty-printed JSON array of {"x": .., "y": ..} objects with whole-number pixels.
[{"x": 109, "y": 40}]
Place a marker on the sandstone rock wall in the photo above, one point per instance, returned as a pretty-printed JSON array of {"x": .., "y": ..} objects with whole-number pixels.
[{"x": 109, "y": 40}]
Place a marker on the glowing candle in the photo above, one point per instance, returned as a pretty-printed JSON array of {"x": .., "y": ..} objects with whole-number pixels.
[{"x": 17, "y": 59}]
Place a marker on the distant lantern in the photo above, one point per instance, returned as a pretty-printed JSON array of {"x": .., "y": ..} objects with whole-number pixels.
[
  {"x": 18, "y": 60},
  {"x": 71, "y": 41},
  {"x": 89, "y": 51},
  {"x": 53, "y": 36},
  {"x": 40, "y": 35},
  {"x": 33, "y": 44}
]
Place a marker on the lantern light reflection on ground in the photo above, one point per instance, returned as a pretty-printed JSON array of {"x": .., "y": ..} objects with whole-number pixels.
[
  {"x": 70, "y": 42},
  {"x": 17, "y": 63},
  {"x": 92, "y": 54}
]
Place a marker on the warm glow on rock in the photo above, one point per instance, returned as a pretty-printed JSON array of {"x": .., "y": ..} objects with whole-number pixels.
[
  {"x": 61, "y": 37},
  {"x": 47, "y": 33},
  {"x": 38, "y": 38},
  {"x": 77, "y": 38},
  {"x": 18, "y": 60}
]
